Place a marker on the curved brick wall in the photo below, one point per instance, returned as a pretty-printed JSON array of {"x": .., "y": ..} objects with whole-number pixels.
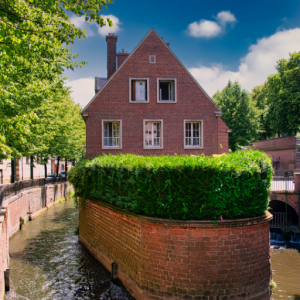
[{"x": 165, "y": 259}]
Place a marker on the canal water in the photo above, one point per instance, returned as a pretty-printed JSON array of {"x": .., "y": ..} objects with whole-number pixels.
[
  {"x": 47, "y": 262},
  {"x": 285, "y": 264}
]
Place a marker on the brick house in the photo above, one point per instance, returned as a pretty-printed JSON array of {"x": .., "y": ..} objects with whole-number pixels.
[
  {"x": 284, "y": 151},
  {"x": 150, "y": 105}
]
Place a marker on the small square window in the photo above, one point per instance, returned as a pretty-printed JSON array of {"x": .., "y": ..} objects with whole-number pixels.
[
  {"x": 153, "y": 134},
  {"x": 111, "y": 134},
  {"x": 166, "y": 90},
  {"x": 152, "y": 59},
  {"x": 27, "y": 160},
  {"x": 138, "y": 90},
  {"x": 193, "y": 134},
  {"x": 1, "y": 161}
]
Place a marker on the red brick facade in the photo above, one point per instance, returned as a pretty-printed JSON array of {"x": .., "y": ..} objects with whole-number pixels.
[
  {"x": 112, "y": 103},
  {"x": 285, "y": 152},
  {"x": 165, "y": 259}
]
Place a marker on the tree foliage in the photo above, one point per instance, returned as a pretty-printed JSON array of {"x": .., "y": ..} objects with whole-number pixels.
[
  {"x": 278, "y": 99},
  {"x": 239, "y": 114},
  {"x": 34, "y": 35}
]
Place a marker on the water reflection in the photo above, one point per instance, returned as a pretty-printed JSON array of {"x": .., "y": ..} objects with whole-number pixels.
[
  {"x": 47, "y": 262},
  {"x": 285, "y": 264}
]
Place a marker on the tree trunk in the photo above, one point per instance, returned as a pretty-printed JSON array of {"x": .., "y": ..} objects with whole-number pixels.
[
  {"x": 31, "y": 167},
  {"x": 57, "y": 167},
  {"x": 45, "y": 167},
  {"x": 66, "y": 166},
  {"x": 12, "y": 164}
]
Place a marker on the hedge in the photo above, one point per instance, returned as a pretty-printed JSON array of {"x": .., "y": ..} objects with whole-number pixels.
[{"x": 230, "y": 186}]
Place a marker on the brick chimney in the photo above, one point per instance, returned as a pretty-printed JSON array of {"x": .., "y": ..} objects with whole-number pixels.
[{"x": 111, "y": 40}]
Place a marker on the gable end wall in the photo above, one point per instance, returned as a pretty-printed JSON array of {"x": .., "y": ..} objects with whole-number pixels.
[{"x": 192, "y": 103}]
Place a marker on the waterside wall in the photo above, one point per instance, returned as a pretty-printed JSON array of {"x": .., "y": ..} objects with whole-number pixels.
[
  {"x": 166, "y": 259},
  {"x": 27, "y": 204}
]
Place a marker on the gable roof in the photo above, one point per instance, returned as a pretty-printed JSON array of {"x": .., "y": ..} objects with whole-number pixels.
[{"x": 129, "y": 56}]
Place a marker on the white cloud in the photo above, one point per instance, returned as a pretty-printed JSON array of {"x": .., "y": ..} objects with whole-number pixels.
[
  {"x": 204, "y": 28},
  {"x": 82, "y": 24},
  {"x": 103, "y": 31},
  {"x": 255, "y": 67},
  {"x": 83, "y": 90},
  {"x": 209, "y": 29},
  {"x": 226, "y": 17}
]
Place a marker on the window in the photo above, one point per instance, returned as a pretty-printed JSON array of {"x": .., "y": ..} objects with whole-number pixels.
[
  {"x": 28, "y": 160},
  {"x": 152, "y": 59},
  {"x": 166, "y": 90},
  {"x": 1, "y": 177},
  {"x": 138, "y": 90},
  {"x": 111, "y": 134},
  {"x": 153, "y": 134},
  {"x": 193, "y": 134},
  {"x": 1, "y": 161}
]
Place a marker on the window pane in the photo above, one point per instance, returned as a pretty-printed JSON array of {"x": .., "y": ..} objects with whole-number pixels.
[
  {"x": 140, "y": 90},
  {"x": 111, "y": 134},
  {"x": 152, "y": 133},
  {"x": 192, "y": 133}
]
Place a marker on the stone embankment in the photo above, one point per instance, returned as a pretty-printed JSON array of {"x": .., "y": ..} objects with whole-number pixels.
[
  {"x": 17, "y": 210},
  {"x": 168, "y": 259}
]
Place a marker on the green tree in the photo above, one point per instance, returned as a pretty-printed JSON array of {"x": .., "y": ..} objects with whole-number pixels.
[
  {"x": 34, "y": 35},
  {"x": 239, "y": 114},
  {"x": 260, "y": 98},
  {"x": 284, "y": 96}
]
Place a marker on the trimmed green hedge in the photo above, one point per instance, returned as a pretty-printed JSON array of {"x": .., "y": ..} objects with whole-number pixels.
[{"x": 192, "y": 187}]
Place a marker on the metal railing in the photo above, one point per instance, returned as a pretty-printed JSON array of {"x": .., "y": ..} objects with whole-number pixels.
[
  {"x": 278, "y": 220},
  {"x": 14, "y": 188},
  {"x": 282, "y": 184}
]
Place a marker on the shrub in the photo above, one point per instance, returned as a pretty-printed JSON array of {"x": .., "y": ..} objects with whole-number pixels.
[{"x": 192, "y": 187}]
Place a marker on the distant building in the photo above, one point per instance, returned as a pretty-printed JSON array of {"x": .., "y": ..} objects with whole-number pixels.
[
  {"x": 22, "y": 170},
  {"x": 285, "y": 153},
  {"x": 150, "y": 104}
]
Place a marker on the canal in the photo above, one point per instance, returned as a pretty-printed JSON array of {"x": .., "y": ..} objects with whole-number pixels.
[
  {"x": 285, "y": 264},
  {"x": 47, "y": 262}
]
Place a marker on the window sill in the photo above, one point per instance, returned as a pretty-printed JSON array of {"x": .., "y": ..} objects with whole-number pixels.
[
  {"x": 153, "y": 148},
  {"x": 138, "y": 101},
  {"x": 111, "y": 148},
  {"x": 166, "y": 101},
  {"x": 192, "y": 147}
]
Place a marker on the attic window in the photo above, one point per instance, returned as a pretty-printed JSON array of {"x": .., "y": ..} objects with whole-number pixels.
[
  {"x": 166, "y": 90},
  {"x": 139, "y": 90},
  {"x": 152, "y": 59}
]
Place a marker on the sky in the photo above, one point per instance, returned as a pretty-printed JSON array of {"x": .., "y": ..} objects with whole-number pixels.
[{"x": 217, "y": 41}]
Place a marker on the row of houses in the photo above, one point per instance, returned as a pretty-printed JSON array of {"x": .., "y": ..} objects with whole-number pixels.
[{"x": 20, "y": 169}]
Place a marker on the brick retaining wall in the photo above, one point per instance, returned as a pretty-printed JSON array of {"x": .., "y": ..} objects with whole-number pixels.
[
  {"x": 165, "y": 259},
  {"x": 33, "y": 201}
]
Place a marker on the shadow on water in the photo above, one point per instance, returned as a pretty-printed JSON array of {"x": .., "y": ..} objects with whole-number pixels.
[
  {"x": 296, "y": 297},
  {"x": 47, "y": 262}
]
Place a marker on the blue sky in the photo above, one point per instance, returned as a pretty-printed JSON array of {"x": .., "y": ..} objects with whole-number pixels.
[{"x": 215, "y": 40}]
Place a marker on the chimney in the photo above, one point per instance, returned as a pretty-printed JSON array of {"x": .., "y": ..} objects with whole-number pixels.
[{"x": 111, "y": 40}]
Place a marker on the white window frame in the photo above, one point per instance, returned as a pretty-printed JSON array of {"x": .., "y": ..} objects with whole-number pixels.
[
  {"x": 161, "y": 134},
  {"x": 152, "y": 62},
  {"x": 201, "y": 134},
  {"x": 120, "y": 134},
  {"x": 175, "y": 90},
  {"x": 148, "y": 94}
]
